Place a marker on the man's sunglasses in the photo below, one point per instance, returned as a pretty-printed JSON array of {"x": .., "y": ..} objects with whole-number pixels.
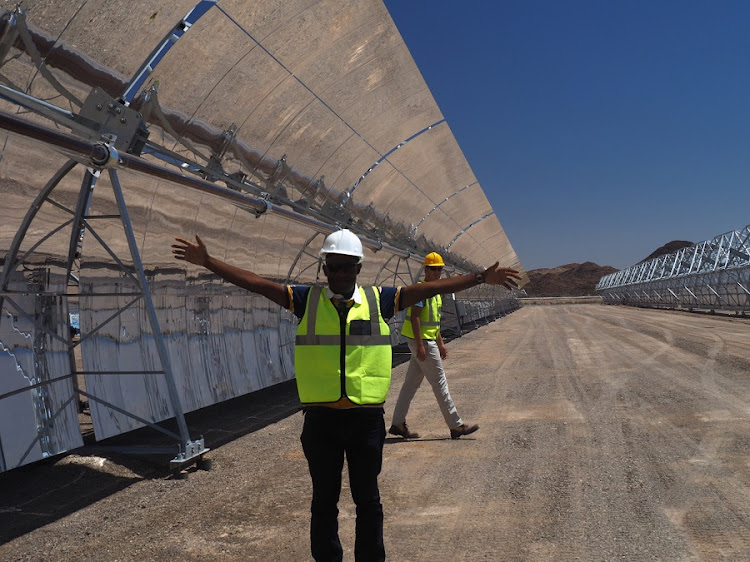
[
  {"x": 434, "y": 267},
  {"x": 336, "y": 267}
]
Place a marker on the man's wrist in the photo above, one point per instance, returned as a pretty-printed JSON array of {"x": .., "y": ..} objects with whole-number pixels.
[{"x": 479, "y": 277}]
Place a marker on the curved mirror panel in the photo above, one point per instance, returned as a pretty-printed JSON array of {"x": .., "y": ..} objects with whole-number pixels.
[{"x": 260, "y": 126}]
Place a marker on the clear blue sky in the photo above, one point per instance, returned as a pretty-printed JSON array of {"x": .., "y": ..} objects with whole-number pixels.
[{"x": 599, "y": 129}]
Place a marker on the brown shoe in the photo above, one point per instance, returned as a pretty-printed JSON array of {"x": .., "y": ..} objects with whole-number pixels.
[
  {"x": 463, "y": 429},
  {"x": 402, "y": 431}
]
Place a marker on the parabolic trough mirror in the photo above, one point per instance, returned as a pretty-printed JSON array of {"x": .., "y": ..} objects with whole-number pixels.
[{"x": 262, "y": 126}]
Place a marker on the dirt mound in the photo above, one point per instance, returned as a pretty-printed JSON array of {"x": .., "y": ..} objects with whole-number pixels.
[
  {"x": 571, "y": 280},
  {"x": 667, "y": 248}
]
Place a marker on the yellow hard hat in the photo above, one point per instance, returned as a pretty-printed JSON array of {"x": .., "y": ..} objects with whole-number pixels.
[{"x": 433, "y": 259}]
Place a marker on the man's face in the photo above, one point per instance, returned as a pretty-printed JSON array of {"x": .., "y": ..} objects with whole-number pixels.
[
  {"x": 341, "y": 271},
  {"x": 432, "y": 273}
]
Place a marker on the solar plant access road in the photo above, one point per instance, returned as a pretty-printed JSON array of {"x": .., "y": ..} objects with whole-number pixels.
[{"x": 606, "y": 433}]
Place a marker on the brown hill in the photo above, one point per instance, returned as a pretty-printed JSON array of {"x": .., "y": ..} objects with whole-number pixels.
[
  {"x": 667, "y": 248},
  {"x": 572, "y": 280},
  {"x": 580, "y": 279}
]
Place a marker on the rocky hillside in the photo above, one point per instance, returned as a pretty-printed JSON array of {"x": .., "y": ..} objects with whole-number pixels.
[
  {"x": 667, "y": 248},
  {"x": 580, "y": 279},
  {"x": 572, "y": 280}
]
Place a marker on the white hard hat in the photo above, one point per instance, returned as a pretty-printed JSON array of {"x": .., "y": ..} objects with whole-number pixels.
[{"x": 342, "y": 242}]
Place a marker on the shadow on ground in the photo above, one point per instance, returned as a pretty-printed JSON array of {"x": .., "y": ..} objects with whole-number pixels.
[{"x": 40, "y": 493}]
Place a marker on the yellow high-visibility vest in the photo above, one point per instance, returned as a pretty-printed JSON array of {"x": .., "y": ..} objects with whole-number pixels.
[
  {"x": 429, "y": 319},
  {"x": 366, "y": 343}
]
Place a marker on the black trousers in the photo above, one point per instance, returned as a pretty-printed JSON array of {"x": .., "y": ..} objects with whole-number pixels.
[{"x": 327, "y": 435}]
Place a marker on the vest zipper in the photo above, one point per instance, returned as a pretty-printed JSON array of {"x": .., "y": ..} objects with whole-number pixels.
[{"x": 342, "y": 353}]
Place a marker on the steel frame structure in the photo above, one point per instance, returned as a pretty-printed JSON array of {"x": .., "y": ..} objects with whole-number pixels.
[
  {"x": 108, "y": 135},
  {"x": 713, "y": 275},
  {"x": 272, "y": 180}
]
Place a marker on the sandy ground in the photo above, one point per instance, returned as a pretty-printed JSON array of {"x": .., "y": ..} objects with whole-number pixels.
[{"x": 606, "y": 433}]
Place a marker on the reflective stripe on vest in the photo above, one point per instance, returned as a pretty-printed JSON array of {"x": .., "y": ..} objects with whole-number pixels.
[
  {"x": 367, "y": 368},
  {"x": 429, "y": 319}
]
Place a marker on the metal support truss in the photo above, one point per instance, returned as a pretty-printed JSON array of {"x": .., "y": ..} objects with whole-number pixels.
[
  {"x": 164, "y": 46},
  {"x": 79, "y": 222},
  {"x": 394, "y": 275},
  {"x": 712, "y": 275},
  {"x": 298, "y": 267}
]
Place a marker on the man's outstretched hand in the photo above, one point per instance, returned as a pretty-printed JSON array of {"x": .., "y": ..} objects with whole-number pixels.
[
  {"x": 504, "y": 276},
  {"x": 189, "y": 252}
]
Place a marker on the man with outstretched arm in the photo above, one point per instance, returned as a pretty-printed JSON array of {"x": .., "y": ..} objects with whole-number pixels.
[{"x": 343, "y": 372}]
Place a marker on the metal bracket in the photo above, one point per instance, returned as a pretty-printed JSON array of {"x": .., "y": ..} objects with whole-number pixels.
[
  {"x": 281, "y": 170},
  {"x": 8, "y": 34},
  {"x": 214, "y": 161},
  {"x": 335, "y": 212},
  {"x": 106, "y": 116},
  {"x": 187, "y": 454}
]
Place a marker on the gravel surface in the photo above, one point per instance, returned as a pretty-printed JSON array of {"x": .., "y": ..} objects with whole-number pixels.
[{"x": 607, "y": 433}]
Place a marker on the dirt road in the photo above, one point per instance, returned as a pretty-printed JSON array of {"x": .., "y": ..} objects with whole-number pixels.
[{"x": 606, "y": 433}]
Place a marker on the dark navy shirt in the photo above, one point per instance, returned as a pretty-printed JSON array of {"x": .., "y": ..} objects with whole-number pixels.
[{"x": 388, "y": 300}]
